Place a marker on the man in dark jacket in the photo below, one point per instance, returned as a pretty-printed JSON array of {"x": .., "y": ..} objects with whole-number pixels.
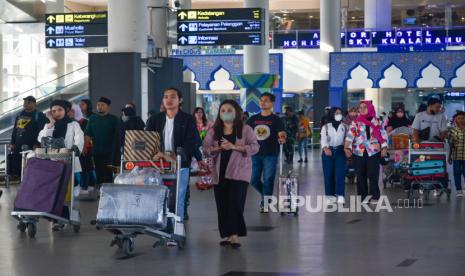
[
  {"x": 177, "y": 129},
  {"x": 26, "y": 129}
]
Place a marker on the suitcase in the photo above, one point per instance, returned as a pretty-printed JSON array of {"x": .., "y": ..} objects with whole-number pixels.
[
  {"x": 141, "y": 145},
  {"x": 44, "y": 186},
  {"x": 288, "y": 189},
  {"x": 133, "y": 205}
]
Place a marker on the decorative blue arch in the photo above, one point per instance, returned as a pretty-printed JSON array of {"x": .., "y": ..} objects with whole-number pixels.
[
  {"x": 212, "y": 76},
  {"x": 419, "y": 76},
  {"x": 455, "y": 73},
  {"x": 383, "y": 69},
  {"x": 350, "y": 71}
]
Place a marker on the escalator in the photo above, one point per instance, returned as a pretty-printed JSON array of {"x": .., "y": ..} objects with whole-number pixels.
[{"x": 72, "y": 87}]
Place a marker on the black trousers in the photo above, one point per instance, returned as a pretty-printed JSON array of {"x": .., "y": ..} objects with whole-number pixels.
[
  {"x": 230, "y": 198},
  {"x": 367, "y": 169},
  {"x": 104, "y": 173}
]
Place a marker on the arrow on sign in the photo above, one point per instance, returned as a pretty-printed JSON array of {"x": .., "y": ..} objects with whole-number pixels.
[
  {"x": 50, "y": 30},
  {"x": 50, "y": 42},
  {"x": 183, "y": 40},
  {"x": 183, "y": 27},
  {"x": 51, "y": 18},
  {"x": 182, "y": 15}
]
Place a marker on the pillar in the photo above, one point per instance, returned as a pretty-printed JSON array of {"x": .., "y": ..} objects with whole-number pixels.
[
  {"x": 186, "y": 4},
  {"x": 330, "y": 32},
  {"x": 159, "y": 26},
  {"x": 378, "y": 14},
  {"x": 257, "y": 78},
  {"x": 128, "y": 32},
  {"x": 57, "y": 55}
]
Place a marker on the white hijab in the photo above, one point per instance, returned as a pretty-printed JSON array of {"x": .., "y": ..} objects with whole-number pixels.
[{"x": 77, "y": 112}]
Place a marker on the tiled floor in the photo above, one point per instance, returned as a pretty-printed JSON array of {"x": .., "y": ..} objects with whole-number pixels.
[{"x": 421, "y": 241}]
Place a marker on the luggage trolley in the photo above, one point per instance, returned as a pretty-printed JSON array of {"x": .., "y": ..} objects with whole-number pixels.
[
  {"x": 28, "y": 218},
  {"x": 398, "y": 149},
  {"x": 427, "y": 169},
  {"x": 125, "y": 232},
  {"x": 288, "y": 187}
]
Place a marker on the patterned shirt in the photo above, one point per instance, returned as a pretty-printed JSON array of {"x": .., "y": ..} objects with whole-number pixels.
[
  {"x": 457, "y": 140},
  {"x": 359, "y": 142}
]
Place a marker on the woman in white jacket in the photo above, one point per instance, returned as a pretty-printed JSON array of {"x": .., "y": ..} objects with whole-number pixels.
[
  {"x": 334, "y": 160},
  {"x": 61, "y": 126}
]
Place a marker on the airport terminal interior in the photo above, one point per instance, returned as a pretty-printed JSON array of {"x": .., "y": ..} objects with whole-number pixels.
[{"x": 232, "y": 137}]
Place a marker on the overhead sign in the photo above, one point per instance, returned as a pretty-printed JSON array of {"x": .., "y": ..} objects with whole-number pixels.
[
  {"x": 77, "y": 18},
  {"x": 221, "y": 14},
  {"x": 240, "y": 26},
  {"x": 76, "y": 30},
  {"x": 311, "y": 39},
  {"x": 76, "y": 42},
  {"x": 221, "y": 27},
  {"x": 220, "y": 39}
]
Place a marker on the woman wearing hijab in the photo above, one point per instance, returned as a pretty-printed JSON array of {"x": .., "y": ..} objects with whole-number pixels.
[
  {"x": 86, "y": 178},
  {"x": 334, "y": 161},
  {"x": 351, "y": 115},
  {"x": 398, "y": 120},
  {"x": 62, "y": 126},
  {"x": 367, "y": 141}
]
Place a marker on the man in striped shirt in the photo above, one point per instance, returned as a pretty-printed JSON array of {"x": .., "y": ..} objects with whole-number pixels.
[{"x": 457, "y": 150}]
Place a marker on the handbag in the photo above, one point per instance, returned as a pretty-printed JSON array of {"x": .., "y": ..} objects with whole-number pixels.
[{"x": 424, "y": 134}]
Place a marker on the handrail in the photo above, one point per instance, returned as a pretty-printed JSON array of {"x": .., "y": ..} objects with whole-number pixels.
[
  {"x": 40, "y": 98},
  {"x": 60, "y": 77}
]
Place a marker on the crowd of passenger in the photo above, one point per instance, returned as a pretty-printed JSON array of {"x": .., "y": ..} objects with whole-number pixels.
[{"x": 243, "y": 149}]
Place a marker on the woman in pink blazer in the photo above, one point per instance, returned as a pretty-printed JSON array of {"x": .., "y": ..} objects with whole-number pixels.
[{"x": 231, "y": 144}]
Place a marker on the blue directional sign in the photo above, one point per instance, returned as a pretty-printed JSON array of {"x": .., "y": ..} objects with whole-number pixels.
[
  {"x": 76, "y": 30},
  {"x": 220, "y": 39},
  {"x": 76, "y": 42},
  {"x": 221, "y": 27}
]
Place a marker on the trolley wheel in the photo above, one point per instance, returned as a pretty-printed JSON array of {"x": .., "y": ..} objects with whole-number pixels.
[
  {"x": 128, "y": 246},
  {"x": 296, "y": 213},
  {"x": 281, "y": 213},
  {"x": 31, "y": 230},
  {"x": 181, "y": 244},
  {"x": 76, "y": 228},
  {"x": 21, "y": 227}
]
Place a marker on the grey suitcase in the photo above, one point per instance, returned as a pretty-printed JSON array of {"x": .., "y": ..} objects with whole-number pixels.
[{"x": 133, "y": 205}]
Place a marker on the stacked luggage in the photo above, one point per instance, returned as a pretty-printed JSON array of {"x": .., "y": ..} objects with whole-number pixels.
[
  {"x": 147, "y": 197},
  {"x": 428, "y": 169},
  {"x": 46, "y": 187},
  {"x": 398, "y": 150}
]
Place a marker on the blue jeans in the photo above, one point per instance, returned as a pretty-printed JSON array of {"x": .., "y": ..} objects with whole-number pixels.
[
  {"x": 459, "y": 170},
  {"x": 265, "y": 164},
  {"x": 334, "y": 171},
  {"x": 87, "y": 179},
  {"x": 303, "y": 148}
]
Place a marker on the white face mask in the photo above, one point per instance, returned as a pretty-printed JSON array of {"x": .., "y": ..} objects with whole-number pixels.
[
  {"x": 338, "y": 117},
  {"x": 125, "y": 118}
]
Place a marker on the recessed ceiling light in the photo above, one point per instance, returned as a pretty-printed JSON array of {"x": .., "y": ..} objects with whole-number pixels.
[{"x": 311, "y": 16}]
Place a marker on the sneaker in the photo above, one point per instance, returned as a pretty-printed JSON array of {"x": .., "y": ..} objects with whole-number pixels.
[
  {"x": 306, "y": 160},
  {"x": 1, "y": 193},
  {"x": 56, "y": 226},
  {"x": 330, "y": 199},
  {"x": 171, "y": 243},
  {"x": 84, "y": 192},
  {"x": 373, "y": 201},
  {"x": 262, "y": 209},
  {"x": 90, "y": 188},
  {"x": 300, "y": 161},
  {"x": 341, "y": 200},
  {"x": 459, "y": 193},
  {"x": 437, "y": 193}
]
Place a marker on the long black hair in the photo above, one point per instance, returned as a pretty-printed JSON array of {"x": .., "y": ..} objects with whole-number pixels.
[
  {"x": 204, "y": 117},
  {"x": 218, "y": 127},
  {"x": 89, "y": 107}
]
